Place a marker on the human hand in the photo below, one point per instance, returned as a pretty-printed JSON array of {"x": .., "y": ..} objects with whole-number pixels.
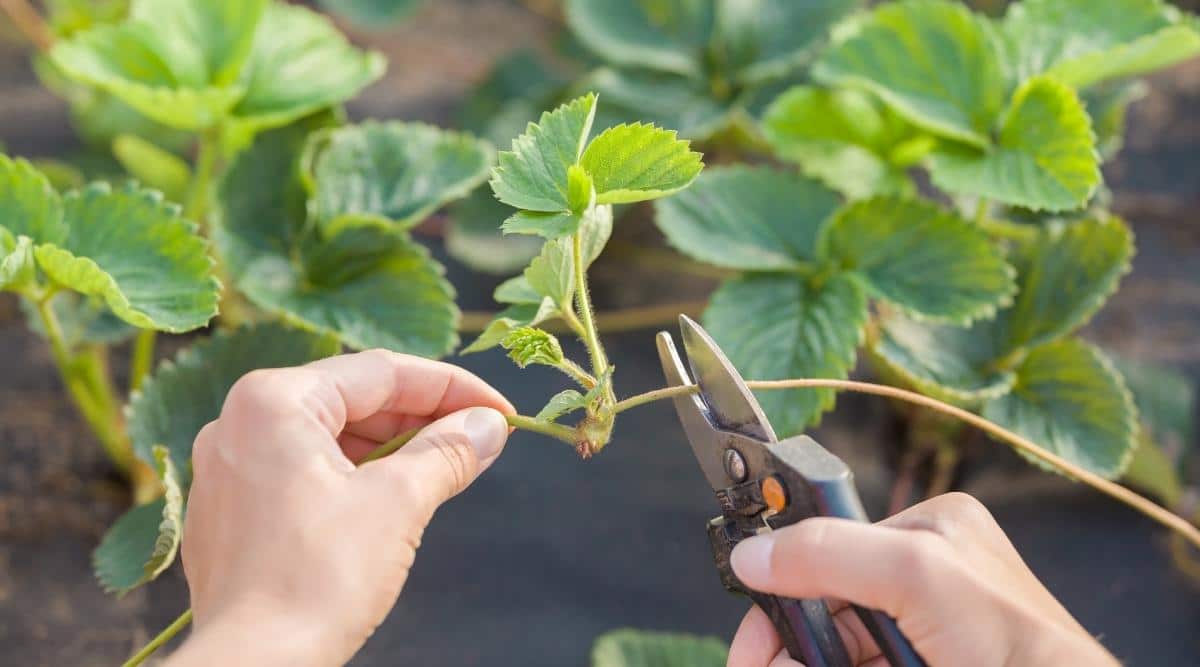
[
  {"x": 943, "y": 569},
  {"x": 292, "y": 554}
]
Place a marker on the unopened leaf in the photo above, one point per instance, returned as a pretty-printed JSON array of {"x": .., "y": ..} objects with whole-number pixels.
[
  {"x": 560, "y": 404},
  {"x": 751, "y": 218},
  {"x": 638, "y": 648},
  {"x": 778, "y": 326},
  {"x": 1069, "y": 399},
  {"x": 632, "y": 163},
  {"x": 920, "y": 257},
  {"x": 513, "y": 317},
  {"x": 533, "y": 175},
  {"x": 527, "y": 345},
  {"x": 934, "y": 62},
  {"x": 1045, "y": 157},
  {"x": 397, "y": 171},
  {"x": 144, "y": 541},
  {"x": 186, "y": 393}
]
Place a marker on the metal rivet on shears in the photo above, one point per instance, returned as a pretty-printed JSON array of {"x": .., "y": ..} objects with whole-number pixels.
[{"x": 735, "y": 465}]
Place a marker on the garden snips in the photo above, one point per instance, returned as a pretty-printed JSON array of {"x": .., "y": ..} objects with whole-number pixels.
[{"x": 763, "y": 483}]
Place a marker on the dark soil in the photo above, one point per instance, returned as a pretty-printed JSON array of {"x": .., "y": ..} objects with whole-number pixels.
[{"x": 547, "y": 552}]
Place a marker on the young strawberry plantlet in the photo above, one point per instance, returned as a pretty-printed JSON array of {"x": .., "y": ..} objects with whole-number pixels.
[{"x": 564, "y": 187}]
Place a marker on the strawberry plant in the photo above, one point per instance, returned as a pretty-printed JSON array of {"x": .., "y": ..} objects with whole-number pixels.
[{"x": 946, "y": 215}]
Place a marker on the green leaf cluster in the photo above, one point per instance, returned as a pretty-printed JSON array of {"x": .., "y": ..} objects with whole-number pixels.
[
  {"x": 701, "y": 66},
  {"x": 1024, "y": 369},
  {"x": 124, "y": 246},
  {"x": 564, "y": 184},
  {"x": 235, "y": 67},
  {"x": 995, "y": 109},
  {"x": 809, "y": 265},
  {"x": 325, "y": 244}
]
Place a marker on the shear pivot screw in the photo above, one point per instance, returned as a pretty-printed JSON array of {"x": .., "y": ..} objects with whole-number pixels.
[{"x": 735, "y": 465}]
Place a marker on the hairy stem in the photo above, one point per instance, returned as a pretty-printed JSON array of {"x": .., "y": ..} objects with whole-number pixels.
[
  {"x": 1111, "y": 489},
  {"x": 162, "y": 638},
  {"x": 583, "y": 302},
  {"x": 143, "y": 358},
  {"x": 577, "y": 373},
  {"x": 29, "y": 22}
]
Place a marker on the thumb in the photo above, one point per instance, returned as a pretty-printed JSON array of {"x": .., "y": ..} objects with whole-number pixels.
[{"x": 440, "y": 461}]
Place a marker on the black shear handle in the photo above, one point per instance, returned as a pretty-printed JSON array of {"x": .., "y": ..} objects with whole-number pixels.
[{"x": 838, "y": 497}]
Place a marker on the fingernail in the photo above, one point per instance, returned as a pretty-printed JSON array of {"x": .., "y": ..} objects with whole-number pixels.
[
  {"x": 487, "y": 430},
  {"x": 751, "y": 559}
]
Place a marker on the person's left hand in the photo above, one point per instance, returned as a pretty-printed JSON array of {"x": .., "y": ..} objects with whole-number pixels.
[{"x": 292, "y": 554}]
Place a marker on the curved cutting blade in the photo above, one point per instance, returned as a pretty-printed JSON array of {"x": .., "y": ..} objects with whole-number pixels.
[{"x": 731, "y": 404}]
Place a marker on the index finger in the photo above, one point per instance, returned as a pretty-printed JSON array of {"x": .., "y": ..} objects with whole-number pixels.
[{"x": 375, "y": 381}]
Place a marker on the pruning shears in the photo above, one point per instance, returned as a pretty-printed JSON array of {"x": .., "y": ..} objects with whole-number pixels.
[{"x": 762, "y": 484}]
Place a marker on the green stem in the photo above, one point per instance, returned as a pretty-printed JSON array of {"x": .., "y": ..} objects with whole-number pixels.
[
  {"x": 577, "y": 373},
  {"x": 143, "y": 358},
  {"x": 584, "y": 303},
  {"x": 163, "y": 637},
  {"x": 981, "y": 212},
  {"x": 196, "y": 208},
  {"x": 88, "y": 386},
  {"x": 1011, "y": 231}
]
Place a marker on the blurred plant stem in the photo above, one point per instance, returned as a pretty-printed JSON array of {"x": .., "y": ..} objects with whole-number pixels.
[
  {"x": 625, "y": 319},
  {"x": 29, "y": 22}
]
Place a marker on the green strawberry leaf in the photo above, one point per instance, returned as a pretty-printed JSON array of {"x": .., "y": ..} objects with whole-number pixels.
[
  {"x": 750, "y": 218},
  {"x": 144, "y": 541},
  {"x": 1082, "y": 43},
  {"x": 1064, "y": 277},
  {"x": 928, "y": 261},
  {"x": 638, "y": 648},
  {"x": 546, "y": 225},
  {"x": 202, "y": 40},
  {"x": 511, "y": 318},
  {"x": 533, "y": 175},
  {"x": 769, "y": 39},
  {"x": 135, "y": 251},
  {"x": 167, "y": 81},
  {"x": 300, "y": 64},
  {"x": 1069, "y": 399},
  {"x": 843, "y": 138},
  {"x": 632, "y": 163},
  {"x": 18, "y": 271},
  {"x": 372, "y": 14},
  {"x": 665, "y": 35},
  {"x": 562, "y": 403},
  {"x": 934, "y": 62},
  {"x": 153, "y": 166},
  {"x": 665, "y": 100},
  {"x": 1045, "y": 157},
  {"x": 396, "y": 171},
  {"x": 186, "y": 393},
  {"x": 777, "y": 326},
  {"x": 474, "y": 237},
  {"x": 951, "y": 363},
  {"x": 1166, "y": 401},
  {"x": 29, "y": 206},
  {"x": 360, "y": 279}
]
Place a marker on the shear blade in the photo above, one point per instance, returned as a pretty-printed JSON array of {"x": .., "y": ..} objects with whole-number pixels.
[{"x": 731, "y": 403}]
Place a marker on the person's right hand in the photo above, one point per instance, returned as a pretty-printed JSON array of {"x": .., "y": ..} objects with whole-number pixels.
[{"x": 943, "y": 569}]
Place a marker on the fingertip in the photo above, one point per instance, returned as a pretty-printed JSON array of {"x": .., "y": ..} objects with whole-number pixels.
[
  {"x": 751, "y": 560},
  {"x": 488, "y": 430}
]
